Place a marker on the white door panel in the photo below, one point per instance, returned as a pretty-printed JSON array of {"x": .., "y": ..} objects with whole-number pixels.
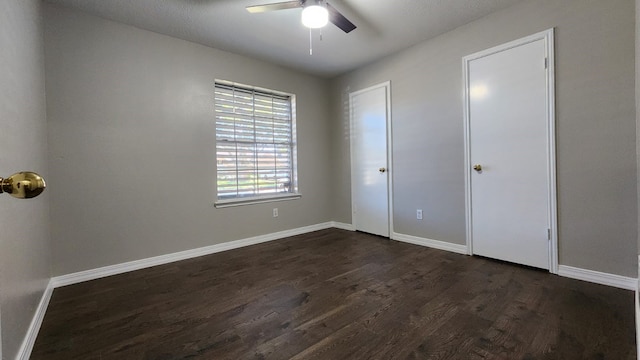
[
  {"x": 370, "y": 185},
  {"x": 508, "y": 137}
]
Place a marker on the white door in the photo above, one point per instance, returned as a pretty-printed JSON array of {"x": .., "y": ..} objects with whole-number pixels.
[
  {"x": 510, "y": 153},
  {"x": 369, "y": 165}
]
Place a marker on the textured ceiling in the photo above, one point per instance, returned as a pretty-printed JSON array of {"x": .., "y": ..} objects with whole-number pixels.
[{"x": 384, "y": 26}]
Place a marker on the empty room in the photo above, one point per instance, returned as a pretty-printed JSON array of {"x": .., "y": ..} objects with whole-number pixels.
[{"x": 319, "y": 179}]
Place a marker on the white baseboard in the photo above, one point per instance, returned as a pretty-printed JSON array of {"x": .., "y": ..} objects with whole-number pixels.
[
  {"x": 622, "y": 282},
  {"x": 105, "y": 271},
  {"x": 436, "y": 244},
  {"x": 32, "y": 333},
  {"x": 343, "y": 226}
]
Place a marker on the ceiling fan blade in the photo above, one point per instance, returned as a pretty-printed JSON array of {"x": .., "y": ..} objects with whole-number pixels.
[
  {"x": 275, "y": 6},
  {"x": 339, "y": 20}
]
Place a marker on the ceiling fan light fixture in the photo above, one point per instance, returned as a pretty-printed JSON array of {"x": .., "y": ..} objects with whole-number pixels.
[{"x": 315, "y": 16}]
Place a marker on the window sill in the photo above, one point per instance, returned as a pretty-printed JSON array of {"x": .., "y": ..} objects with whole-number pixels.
[{"x": 255, "y": 200}]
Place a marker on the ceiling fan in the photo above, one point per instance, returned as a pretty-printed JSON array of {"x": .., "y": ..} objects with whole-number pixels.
[{"x": 315, "y": 13}]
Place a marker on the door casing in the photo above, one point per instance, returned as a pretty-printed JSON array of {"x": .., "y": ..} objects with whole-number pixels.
[
  {"x": 548, "y": 37},
  {"x": 389, "y": 160}
]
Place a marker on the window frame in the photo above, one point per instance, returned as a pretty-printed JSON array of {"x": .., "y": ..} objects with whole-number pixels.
[{"x": 294, "y": 192}]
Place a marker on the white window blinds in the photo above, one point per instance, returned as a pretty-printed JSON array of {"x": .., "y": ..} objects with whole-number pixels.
[{"x": 255, "y": 142}]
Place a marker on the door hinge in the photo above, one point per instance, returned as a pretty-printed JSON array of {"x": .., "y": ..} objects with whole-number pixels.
[
  {"x": 546, "y": 63},
  {"x": 548, "y": 234}
]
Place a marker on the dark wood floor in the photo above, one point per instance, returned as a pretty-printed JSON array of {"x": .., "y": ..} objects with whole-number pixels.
[{"x": 334, "y": 294}]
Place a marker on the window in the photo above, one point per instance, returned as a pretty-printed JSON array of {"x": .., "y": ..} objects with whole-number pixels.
[{"x": 255, "y": 144}]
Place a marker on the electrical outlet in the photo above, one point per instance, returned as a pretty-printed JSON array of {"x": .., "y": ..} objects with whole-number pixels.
[
  {"x": 419, "y": 214},
  {"x": 275, "y": 212}
]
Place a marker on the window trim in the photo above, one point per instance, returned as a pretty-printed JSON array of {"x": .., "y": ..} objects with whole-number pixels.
[
  {"x": 256, "y": 200},
  {"x": 267, "y": 198}
]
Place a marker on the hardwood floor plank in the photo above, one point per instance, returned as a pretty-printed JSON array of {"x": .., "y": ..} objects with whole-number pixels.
[{"x": 335, "y": 294}]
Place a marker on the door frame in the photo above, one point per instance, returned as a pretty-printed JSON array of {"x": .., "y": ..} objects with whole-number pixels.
[
  {"x": 548, "y": 37},
  {"x": 387, "y": 86}
]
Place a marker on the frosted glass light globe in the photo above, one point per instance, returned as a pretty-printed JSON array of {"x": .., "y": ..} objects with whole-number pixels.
[{"x": 315, "y": 16}]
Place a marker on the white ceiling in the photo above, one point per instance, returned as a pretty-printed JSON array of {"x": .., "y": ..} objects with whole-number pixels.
[{"x": 384, "y": 27}]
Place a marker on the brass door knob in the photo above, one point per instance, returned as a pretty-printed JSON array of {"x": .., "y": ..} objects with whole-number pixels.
[
  {"x": 382, "y": 170},
  {"x": 23, "y": 185},
  {"x": 477, "y": 167}
]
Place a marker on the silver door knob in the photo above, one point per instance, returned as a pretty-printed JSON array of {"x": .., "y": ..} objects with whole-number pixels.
[
  {"x": 477, "y": 167},
  {"x": 382, "y": 170}
]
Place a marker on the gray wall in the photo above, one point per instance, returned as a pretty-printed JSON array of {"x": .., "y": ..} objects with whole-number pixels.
[
  {"x": 637, "y": 35},
  {"x": 128, "y": 106},
  {"x": 24, "y": 242},
  {"x": 596, "y": 149},
  {"x": 132, "y": 144}
]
